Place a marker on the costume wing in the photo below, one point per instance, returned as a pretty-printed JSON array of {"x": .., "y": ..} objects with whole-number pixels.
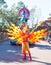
[
  {"x": 36, "y": 36},
  {"x": 14, "y": 33}
]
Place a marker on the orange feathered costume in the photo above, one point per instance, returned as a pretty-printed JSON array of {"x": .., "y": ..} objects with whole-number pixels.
[{"x": 22, "y": 37}]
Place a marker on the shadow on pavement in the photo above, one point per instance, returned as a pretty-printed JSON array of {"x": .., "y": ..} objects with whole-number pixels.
[
  {"x": 9, "y": 53},
  {"x": 46, "y": 63}
]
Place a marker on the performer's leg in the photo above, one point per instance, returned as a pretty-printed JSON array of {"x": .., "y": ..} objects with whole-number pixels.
[
  {"x": 24, "y": 56},
  {"x": 24, "y": 51},
  {"x": 30, "y": 55},
  {"x": 27, "y": 48}
]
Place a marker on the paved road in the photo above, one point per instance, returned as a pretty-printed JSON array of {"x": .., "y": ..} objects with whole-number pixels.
[{"x": 11, "y": 54}]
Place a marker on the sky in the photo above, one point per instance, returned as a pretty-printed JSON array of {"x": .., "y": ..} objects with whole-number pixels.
[{"x": 44, "y": 5}]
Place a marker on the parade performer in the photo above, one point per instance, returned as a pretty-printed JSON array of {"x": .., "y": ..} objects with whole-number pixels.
[{"x": 25, "y": 45}]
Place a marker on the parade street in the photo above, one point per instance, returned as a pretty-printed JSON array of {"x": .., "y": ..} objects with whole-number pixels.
[{"x": 11, "y": 54}]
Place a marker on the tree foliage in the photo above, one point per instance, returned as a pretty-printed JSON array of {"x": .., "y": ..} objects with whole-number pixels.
[{"x": 11, "y": 15}]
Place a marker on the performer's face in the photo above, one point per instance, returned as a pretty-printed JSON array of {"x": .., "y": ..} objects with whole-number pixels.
[{"x": 23, "y": 24}]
